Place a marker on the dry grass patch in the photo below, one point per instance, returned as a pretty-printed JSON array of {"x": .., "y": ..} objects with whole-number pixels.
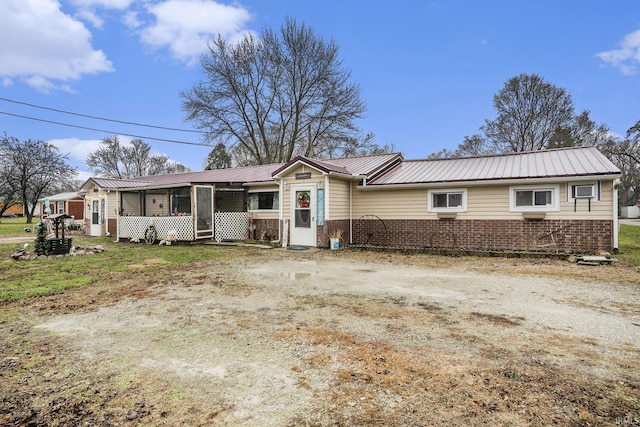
[{"x": 375, "y": 383}]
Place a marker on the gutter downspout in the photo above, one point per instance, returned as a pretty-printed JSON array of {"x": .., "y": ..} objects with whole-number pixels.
[
  {"x": 106, "y": 213},
  {"x": 350, "y": 212},
  {"x": 118, "y": 204},
  {"x": 616, "y": 223},
  {"x": 280, "y": 203}
]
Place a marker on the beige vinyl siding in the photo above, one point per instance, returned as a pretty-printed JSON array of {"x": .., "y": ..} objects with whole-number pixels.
[
  {"x": 602, "y": 209},
  {"x": 394, "y": 204},
  {"x": 338, "y": 199},
  {"x": 112, "y": 205},
  {"x": 483, "y": 202},
  {"x": 488, "y": 203},
  {"x": 290, "y": 179}
]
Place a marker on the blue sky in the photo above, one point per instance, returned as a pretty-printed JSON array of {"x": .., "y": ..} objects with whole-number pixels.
[{"x": 427, "y": 69}]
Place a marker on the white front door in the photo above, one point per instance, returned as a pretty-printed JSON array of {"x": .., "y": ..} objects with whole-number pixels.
[
  {"x": 96, "y": 219},
  {"x": 303, "y": 215}
]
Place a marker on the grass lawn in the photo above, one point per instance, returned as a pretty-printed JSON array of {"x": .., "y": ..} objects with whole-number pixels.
[
  {"x": 119, "y": 260},
  {"x": 15, "y": 225},
  {"x": 630, "y": 244}
]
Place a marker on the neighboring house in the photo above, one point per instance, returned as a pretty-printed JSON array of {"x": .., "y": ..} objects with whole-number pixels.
[
  {"x": 560, "y": 200},
  {"x": 13, "y": 210},
  {"x": 71, "y": 203}
]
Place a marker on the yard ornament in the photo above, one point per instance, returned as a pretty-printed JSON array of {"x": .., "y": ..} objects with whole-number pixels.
[{"x": 47, "y": 209}]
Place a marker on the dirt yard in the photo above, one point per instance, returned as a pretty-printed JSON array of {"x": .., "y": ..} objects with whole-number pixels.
[{"x": 284, "y": 338}]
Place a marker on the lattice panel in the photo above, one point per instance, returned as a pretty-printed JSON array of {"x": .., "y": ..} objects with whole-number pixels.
[
  {"x": 133, "y": 227},
  {"x": 231, "y": 225}
]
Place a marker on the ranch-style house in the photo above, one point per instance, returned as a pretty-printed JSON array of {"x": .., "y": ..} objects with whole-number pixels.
[{"x": 562, "y": 200}]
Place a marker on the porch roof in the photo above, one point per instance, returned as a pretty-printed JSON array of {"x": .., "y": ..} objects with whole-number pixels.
[
  {"x": 248, "y": 174},
  {"x": 61, "y": 197},
  {"x": 113, "y": 183}
]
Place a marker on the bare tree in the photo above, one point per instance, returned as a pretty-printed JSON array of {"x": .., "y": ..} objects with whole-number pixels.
[
  {"x": 530, "y": 110},
  {"x": 581, "y": 131},
  {"x": 625, "y": 154},
  {"x": 31, "y": 169},
  {"x": 275, "y": 97},
  {"x": 115, "y": 160},
  {"x": 474, "y": 145}
]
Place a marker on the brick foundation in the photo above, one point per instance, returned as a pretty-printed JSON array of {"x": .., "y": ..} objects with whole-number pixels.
[
  {"x": 571, "y": 236},
  {"x": 266, "y": 229},
  {"x": 574, "y": 236}
]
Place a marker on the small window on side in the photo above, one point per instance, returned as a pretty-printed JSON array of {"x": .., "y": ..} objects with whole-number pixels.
[
  {"x": 533, "y": 198},
  {"x": 447, "y": 201}
]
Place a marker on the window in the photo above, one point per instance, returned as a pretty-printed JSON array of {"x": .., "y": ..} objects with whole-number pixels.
[
  {"x": 534, "y": 198},
  {"x": 447, "y": 200},
  {"x": 263, "y": 200},
  {"x": 60, "y": 207}
]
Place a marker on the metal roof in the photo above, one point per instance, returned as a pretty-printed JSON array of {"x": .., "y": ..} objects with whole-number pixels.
[
  {"x": 565, "y": 162},
  {"x": 357, "y": 166},
  {"x": 61, "y": 196},
  {"x": 116, "y": 183},
  {"x": 366, "y": 165},
  {"x": 246, "y": 174}
]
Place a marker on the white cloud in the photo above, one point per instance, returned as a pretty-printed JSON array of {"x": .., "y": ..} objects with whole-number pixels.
[
  {"x": 87, "y": 9},
  {"x": 130, "y": 19},
  {"x": 91, "y": 17},
  {"x": 627, "y": 58},
  {"x": 185, "y": 26},
  {"x": 107, "y": 4},
  {"x": 46, "y": 45},
  {"x": 77, "y": 149}
]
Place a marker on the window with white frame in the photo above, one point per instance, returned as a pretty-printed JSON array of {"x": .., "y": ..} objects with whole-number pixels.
[
  {"x": 262, "y": 200},
  {"x": 534, "y": 198},
  {"x": 60, "y": 207},
  {"x": 447, "y": 200},
  {"x": 583, "y": 190}
]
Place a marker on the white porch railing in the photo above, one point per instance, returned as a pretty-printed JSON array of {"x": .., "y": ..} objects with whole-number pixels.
[
  {"x": 231, "y": 225},
  {"x": 133, "y": 227},
  {"x": 228, "y": 226}
]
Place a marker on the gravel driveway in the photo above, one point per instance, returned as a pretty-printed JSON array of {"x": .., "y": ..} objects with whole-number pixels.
[{"x": 282, "y": 338}]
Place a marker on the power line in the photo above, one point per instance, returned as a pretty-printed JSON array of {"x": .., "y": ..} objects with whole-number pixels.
[
  {"x": 105, "y": 131},
  {"x": 99, "y": 118}
]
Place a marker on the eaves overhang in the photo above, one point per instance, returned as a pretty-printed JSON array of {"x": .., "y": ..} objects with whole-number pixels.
[{"x": 488, "y": 182}]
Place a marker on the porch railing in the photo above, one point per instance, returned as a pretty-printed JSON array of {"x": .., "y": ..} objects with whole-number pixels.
[
  {"x": 228, "y": 226},
  {"x": 133, "y": 227},
  {"x": 231, "y": 225}
]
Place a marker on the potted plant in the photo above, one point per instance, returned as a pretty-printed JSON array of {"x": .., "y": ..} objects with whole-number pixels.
[{"x": 334, "y": 239}]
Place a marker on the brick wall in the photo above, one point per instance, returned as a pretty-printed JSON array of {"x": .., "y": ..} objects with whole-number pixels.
[
  {"x": 329, "y": 228},
  {"x": 570, "y": 235},
  {"x": 267, "y": 227}
]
